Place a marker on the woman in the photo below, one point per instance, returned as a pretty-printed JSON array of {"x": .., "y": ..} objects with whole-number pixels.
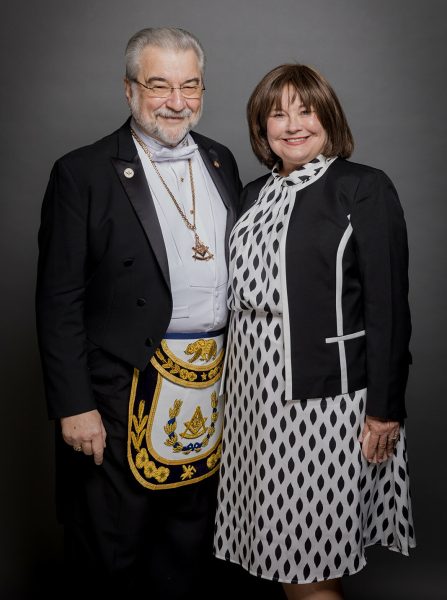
[{"x": 314, "y": 460}]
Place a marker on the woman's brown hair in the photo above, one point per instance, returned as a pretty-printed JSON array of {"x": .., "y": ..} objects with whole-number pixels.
[{"x": 316, "y": 94}]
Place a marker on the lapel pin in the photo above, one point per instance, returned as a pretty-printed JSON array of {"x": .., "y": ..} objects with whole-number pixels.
[
  {"x": 128, "y": 173},
  {"x": 216, "y": 163}
]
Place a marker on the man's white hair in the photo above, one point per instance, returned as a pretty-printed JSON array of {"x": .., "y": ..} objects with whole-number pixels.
[{"x": 170, "y": 38}]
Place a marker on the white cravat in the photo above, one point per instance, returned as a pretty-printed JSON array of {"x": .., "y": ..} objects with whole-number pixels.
[{"x": 160, "y": 153}]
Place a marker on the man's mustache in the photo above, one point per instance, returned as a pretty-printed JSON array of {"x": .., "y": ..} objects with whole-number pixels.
[{"x": 167, "y": 113}]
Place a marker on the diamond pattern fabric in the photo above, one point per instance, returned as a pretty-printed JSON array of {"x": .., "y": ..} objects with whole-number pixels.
[{"x": 297, "y": 501}]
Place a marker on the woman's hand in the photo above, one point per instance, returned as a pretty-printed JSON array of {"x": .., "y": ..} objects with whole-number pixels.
[{"x": 378, "y": 439}]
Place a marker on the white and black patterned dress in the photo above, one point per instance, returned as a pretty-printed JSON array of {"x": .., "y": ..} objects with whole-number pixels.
[{"x": 297, "y": 501}]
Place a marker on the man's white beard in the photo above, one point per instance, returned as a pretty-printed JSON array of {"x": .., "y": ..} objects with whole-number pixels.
[{"x": 153, "y": 129}]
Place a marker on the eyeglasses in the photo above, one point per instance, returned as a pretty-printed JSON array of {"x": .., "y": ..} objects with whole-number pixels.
[{"x": 164, "y": 91}]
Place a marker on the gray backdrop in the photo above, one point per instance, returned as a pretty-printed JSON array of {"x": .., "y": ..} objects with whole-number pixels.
[{"x": 62, "y": 68}]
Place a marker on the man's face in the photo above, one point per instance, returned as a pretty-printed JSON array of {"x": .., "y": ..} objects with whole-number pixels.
[{"x": 169, "y": 119}]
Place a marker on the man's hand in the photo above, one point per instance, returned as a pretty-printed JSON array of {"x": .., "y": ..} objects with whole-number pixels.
[
  {"x": 378, "y": 439},
  {"x": 85, "y": 432}
]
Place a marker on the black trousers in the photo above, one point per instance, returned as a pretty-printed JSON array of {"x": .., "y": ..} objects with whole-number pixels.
[{"x": 119, "y": 536}]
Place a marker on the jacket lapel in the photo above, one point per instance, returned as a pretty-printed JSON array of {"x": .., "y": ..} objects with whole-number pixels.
[
  {"x": 131, "y": 174},
  {"x": 130, "y": 171},
  {"x": 213, "y": 164}
]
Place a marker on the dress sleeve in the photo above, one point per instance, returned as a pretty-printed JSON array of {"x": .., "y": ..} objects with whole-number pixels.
[
  {"x": 381, "y": 244},
  {"x": 61, "y": 280}
]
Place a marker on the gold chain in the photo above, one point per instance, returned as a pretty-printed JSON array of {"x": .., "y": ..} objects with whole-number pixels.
[{"x": 201, "y": 251}]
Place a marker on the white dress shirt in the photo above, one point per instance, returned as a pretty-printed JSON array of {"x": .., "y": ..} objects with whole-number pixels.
[{"x": 198, "y": 287}]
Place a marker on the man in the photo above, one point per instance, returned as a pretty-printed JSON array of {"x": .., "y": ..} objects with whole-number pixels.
[{"x": 131, "y": 310}]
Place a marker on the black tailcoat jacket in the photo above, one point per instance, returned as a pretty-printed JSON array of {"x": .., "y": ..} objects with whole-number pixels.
[
  {"x": 347, "y": 289},
  {"x": 103, "y": 275}
]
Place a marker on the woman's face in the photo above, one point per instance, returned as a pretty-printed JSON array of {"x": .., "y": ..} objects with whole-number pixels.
[{"x": 294, "y": 133}]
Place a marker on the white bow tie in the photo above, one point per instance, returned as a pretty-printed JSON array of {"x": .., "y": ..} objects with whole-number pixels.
[{"x": 164, "y": 153}]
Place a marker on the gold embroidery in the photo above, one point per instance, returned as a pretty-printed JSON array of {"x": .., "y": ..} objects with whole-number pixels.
[
  {"x": 170, "y": 365},
  {"x": 196, "y": 426},
  {"x": 206, "y": 350},
  {"x": 188, "y": 472},
  {"x": 176, "y": 359},
  {"x": 214, "y": 458},
  {"x": 181, "y": 373},
  {"x": 171, "y": 427},
  {"x": 151, "y": 466},
  {"x": 150, "y": 470},
  {"x": 139, "y": 425}
]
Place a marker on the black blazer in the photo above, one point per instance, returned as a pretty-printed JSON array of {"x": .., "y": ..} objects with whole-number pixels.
[
  {"x": 103, "y": 275},
  {"x": 350, "y": 217}
]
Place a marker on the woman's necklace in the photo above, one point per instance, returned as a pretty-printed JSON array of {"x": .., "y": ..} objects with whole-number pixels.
[{"x": 201, "y": 251}]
